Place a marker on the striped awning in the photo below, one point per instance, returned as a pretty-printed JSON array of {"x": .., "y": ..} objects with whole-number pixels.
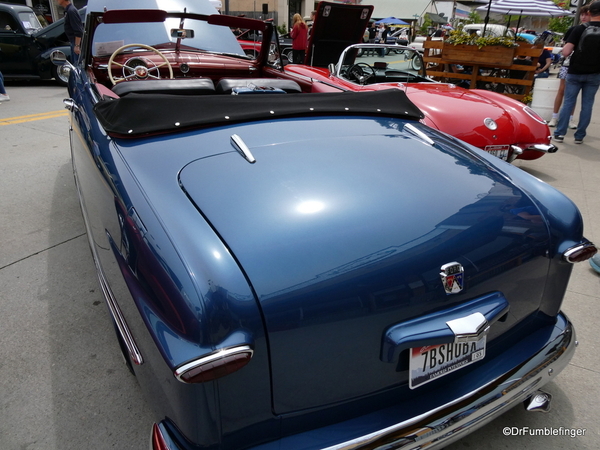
[{"x": 525, "y": 8}]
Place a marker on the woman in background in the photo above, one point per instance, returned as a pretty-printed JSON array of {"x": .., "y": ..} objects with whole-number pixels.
[{"x": 299, "y": 36}]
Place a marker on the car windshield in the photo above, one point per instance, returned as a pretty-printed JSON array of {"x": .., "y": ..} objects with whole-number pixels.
[
  {"x": 199, "y": 35},
  {"x": 30, "y": 21},
  {"x": 381, "y": 63}
]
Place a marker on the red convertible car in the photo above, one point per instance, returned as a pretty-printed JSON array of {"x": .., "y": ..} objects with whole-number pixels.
[{"x": 493, "y": 122}]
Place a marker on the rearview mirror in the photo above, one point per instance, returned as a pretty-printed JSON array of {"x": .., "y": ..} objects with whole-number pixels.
[{"x": 182, "y": 34}]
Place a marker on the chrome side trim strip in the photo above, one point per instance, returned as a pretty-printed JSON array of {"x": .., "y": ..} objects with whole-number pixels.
[
  {"x": 109, "y": 297},
  {"x": 115, "y": 311},
  {"x": 219, "y": 354}
]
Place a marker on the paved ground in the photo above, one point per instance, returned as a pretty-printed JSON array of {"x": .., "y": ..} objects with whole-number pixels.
[{"x": 62, "y": 381}]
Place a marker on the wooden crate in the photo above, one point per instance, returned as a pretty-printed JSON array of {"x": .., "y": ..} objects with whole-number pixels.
[{"x": 439, "y": 66}]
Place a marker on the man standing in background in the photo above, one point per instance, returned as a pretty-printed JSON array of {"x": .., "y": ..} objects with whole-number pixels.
[
  {"x": 73, "y": 28},
  {"x": 583, "y": 75}
]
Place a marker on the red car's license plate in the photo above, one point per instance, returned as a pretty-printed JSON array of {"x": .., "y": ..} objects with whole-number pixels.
[
  {"x": 434, "y": 361},
  {"x": 500, "y": 151}
]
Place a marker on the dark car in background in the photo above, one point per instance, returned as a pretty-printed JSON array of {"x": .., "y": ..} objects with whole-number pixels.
[{"x": 25, "y": 46}]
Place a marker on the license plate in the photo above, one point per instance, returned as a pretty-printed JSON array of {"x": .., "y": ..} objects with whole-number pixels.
[
  {"x": 500, "y": 151},
  {"x": 434, "y": 361}
]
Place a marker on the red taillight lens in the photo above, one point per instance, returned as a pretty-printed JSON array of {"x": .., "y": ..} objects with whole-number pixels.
[
  {"x": 158, "y": 441},
  {"x": 534, "y": 115},
  {"x": 580, "y": 252},
  {"x": 215, "y": 365}
]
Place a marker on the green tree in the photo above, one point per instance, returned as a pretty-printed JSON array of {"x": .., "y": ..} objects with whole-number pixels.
[
  {"x": 427, "y": 23},
  {"x": 473, "y": 17},
  {"x": 560, "y": 24}
]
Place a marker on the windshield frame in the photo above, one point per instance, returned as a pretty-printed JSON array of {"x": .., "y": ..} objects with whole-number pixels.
[
  {"x": 347, "y": 55},
  {"x": 214, "y": 22},
  {"x": 208, "y": 37}
]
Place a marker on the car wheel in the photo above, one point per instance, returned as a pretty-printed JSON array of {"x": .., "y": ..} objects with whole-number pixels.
[
  {"x": 287, "y": 53},
  {"x": 251, "y": 53},
  {"x": 61, "y": 74},
  {"x": 416, "y": 63}
]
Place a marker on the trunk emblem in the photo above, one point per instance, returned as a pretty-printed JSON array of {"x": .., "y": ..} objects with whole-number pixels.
[{"x": 452, "y": 275}]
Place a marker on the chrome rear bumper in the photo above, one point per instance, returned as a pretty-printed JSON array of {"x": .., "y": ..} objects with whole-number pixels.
[
  {"x": 447, "y": 423},
  {"x": 440, "y": 427}
]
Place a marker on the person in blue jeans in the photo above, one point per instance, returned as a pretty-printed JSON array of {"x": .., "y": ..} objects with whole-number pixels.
[
  {"x": 583, "y": 75},
  {"x": 595, "y": 262},
  {"x": 3, "y": 95}
]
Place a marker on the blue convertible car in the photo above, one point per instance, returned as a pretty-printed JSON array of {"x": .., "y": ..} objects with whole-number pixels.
[{"x": 294, "y": 270}]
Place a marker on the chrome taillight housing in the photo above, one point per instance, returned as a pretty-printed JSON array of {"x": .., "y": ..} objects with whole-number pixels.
[
  {"x": 580, "y": 252},
  {"x": 535, "y": 116},
  {"x": 216, "y": 365}
]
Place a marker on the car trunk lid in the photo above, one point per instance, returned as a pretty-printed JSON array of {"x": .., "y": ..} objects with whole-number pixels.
[
  {"x": 336, "y": 26},
  {"x": 342, "y": 238}
]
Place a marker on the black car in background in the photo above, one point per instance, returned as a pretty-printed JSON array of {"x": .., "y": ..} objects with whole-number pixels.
[{"x": 25, "y": 46}]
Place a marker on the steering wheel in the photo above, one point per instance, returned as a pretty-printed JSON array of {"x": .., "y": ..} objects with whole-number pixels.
[
  {"x": 137, "y": 67},
  {"x": 357, "y": 71}
]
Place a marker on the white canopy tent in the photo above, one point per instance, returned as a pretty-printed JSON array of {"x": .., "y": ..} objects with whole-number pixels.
[
  {"x": 525, "y": 8},
  {"x": 520, "y": 8}
]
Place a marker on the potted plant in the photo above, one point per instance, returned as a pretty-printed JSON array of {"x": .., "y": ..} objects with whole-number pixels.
[{"x": 468, "y": 48}]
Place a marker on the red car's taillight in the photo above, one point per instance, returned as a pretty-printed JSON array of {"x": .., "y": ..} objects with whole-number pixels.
[
  {"x": 215, "y": 365},
  {"x": 531, "y": 113}
]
